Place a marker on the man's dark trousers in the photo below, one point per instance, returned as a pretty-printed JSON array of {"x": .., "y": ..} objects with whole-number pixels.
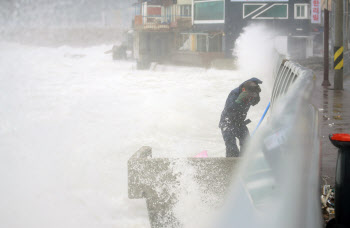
[{"x": 230, "y": 134}]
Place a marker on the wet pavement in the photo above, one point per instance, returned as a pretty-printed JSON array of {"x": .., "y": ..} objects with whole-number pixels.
[{"x": 334, "y": 117}]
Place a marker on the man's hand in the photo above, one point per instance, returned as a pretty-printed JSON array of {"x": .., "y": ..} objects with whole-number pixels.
[
  {"x": 255, "y": 98},
  {"x": 247, "y": 121},
  {"x": 246, "y": 97},
  {"x": 243, "y": 98}
]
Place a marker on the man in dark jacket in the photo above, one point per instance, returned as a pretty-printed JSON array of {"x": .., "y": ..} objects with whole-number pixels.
[{"x": 233, "y": 122}]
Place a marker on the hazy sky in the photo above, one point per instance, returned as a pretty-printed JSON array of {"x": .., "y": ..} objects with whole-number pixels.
[{"x": 38, "y": 13}]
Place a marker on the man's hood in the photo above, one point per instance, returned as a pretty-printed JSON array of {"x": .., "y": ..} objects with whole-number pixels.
[{"x": 256, "y": 80}]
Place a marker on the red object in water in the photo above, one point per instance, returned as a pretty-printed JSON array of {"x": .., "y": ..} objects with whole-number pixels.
[
  {"x": 203, "y": 154},
  {"x": 341, "y": 137}
]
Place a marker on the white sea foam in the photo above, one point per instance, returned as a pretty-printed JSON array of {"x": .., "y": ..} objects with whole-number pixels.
[{"x": 71, "y": 118}]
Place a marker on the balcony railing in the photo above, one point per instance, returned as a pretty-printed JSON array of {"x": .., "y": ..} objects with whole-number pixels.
[{"x": 162, "y": 22}]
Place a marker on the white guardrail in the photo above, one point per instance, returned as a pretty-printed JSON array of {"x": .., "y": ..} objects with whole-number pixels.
[{"x": 276, "y": 183}]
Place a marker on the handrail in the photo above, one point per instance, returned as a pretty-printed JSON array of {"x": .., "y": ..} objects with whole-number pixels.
[
  {"x": 287, "y": 74},
  {"x": 162, "y": 21}
]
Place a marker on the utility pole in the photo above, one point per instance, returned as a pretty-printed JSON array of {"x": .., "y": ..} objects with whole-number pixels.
[
  {"x": 346, "y": 24},
  {"x": 338, "y": 46},
  {"x": 326, "y": 48}
]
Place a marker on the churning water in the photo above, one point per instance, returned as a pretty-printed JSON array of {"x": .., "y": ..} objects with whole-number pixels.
[{"x": 70, "y": 118}]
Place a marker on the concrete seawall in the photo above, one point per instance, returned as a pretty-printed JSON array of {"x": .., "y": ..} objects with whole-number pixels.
[{"x": 158, "y": 180}]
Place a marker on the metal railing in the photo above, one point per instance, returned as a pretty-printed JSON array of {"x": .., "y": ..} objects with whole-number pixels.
[
  {"x": 162, "y": 22},
  {"x": 286, "y": 75}
]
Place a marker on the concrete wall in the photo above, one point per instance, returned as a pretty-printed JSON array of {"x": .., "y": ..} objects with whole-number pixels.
[
  {"x": 158, "y": 180},
  {"x": 203, "y": 59}
]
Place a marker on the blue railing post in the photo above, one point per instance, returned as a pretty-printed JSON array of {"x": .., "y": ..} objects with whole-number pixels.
[{"x": 262, "y": 118}]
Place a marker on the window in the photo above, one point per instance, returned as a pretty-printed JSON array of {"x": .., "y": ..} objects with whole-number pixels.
[
  {"x": 138, "y": 9},
  {"x": 275, "y": 11},
  {"x": 202, "y": 43},
  {"x": 209, "y": 11},
  {"x": 184, "y": 42},
  {"x": 185, "y": 10},
  {"x": 168, "y": 14},
  {"x": 301, "y": 11},
  {"x": 215, "y": 43},
  {"x": 249, "y": 9}
]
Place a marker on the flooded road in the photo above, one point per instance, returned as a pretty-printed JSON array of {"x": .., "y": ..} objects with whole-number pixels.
[{"x": 334, "y": 107}]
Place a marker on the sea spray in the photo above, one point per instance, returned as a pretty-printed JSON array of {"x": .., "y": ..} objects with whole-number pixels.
[
  {"x": 256, "y": 51},
  {"x": 69, "y": 125}
]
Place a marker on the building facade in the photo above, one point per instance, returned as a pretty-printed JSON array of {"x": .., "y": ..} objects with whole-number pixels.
[
  {"x": 288, "y": 19},
  {"x": 197, "y": 31},
  {"x": 158, "y": 25}
]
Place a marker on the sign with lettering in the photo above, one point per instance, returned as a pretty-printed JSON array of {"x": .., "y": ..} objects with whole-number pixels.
[
  {"x": 316, "y": 11},
  {"x": 259, "y": 0}
]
